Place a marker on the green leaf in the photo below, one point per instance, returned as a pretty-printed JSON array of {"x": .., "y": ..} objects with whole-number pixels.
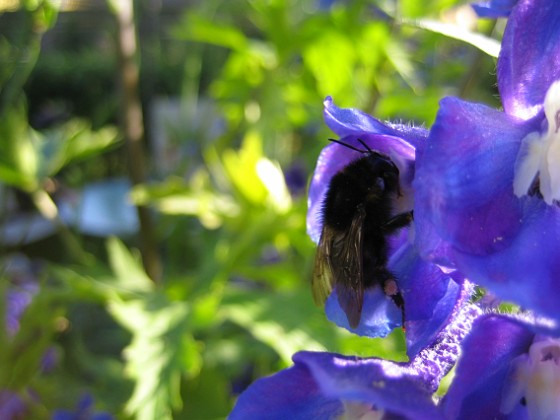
[
  {"x": 160, "y": 351},
  {"x": 24, "y": 351},
  {"x": 198, "y": 198},
  {"x": 196, "y": 28},
  {"x": 28, "y": 157},
  {"x": 241, "y": 168},
  {"x": 330, "y": 58},
  {"x": 129, "y": 273},
  {"x": 400, "y": 59},
  {"x": 487, "y": 45},
  {"x": 287, "y": 322},
  {"x": 20, "y": 158},
  {"x": 207, "y": 396},
  {"x": 75, "y": 141}
]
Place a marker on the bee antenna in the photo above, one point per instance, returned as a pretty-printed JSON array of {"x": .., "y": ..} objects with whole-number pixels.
[
  {"x": 351, "y": 147},
  {"x": 363, "y": 143}
]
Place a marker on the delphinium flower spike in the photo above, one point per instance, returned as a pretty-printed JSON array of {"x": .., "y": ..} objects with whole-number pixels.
[{"x": 487, "y": 185}]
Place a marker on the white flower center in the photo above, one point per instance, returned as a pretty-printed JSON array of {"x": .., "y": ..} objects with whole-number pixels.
[
  {"x": 536, "y": 381},
  {"x": 539, "y": 154}
]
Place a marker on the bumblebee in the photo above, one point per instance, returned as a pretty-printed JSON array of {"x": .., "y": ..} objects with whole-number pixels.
[{"x": 358, "y": 216}]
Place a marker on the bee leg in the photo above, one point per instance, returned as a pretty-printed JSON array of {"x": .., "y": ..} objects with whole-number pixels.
[{"x": 398, "y": 221}]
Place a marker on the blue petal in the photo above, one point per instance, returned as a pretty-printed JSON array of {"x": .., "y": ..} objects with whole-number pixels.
[
  {"x": 482, "y": 371},
  {"x": 527, "y": 271},
  {"x": 494, "y": 9},
  {"x": 380, "y": 315},
  {"x": 11, "y": 405},
  {"x": 352, "y": 122},
  {"x": 429, "y": 295},
  {"x": 318, "y": 383},
  {"x": 290, "y": 394},
  {"x": 392, "y": 387},
  {"x": 464, "y": 180},
  {"x": 465, "y": 206},
  {"x": 530, "y": 56}
]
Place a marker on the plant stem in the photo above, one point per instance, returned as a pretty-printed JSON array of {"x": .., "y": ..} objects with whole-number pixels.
[{"x": 133, "y": 128}]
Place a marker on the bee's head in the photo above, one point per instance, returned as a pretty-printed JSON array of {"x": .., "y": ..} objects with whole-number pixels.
[{"x": 385, "y": 170}]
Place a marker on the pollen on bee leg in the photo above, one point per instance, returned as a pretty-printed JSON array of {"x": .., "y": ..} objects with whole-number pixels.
[
  {"x": 539, "y": 154},
  {"x": 391, "y": 288}
]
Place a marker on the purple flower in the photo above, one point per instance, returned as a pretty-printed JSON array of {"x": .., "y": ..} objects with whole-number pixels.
[
  {"x": 83, "y": 411},
  {"x": 494, "y": 8},
  {"x": 429, "y": 293},
  {"x": 328, "y": 386},
  {"x": 506, "y": 371},
  {"x": 19, "y": 269},
  {"x": 488, "y": 183},
  {"x": 12, "y": 406},
  {"x": 17, "y": 300}
]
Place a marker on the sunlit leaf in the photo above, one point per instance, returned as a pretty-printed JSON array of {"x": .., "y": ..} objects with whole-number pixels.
[
  {"x": 241, "y": 168},
  {"x": 272, "y": 177},
  {"x": 128, "y": 270},
  {"x": 161, "y": 351},
  {"x": 282, "y": 321},
  {"x": 20, "y": 158},
  {"x": 196, "y": 28},
  {"x": 75, "y": 141},
  {"x": 488, "y": 45},
  {"x": 330, "y": 58},
  {"x": 197, "y": 198},
  {"x": 400, "y": 59}
]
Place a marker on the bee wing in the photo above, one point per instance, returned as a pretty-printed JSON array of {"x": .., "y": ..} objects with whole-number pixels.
[
  {"x": 339, "y": 262},
  {"x": 322, "y": 280}
]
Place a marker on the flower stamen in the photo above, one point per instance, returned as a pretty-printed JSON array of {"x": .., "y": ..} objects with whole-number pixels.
[
  {"x": 538, "y": 160},
  {"x": 536, "y": 381}
]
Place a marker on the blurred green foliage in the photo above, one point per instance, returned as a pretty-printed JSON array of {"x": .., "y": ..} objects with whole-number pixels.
[{"x": 230, "y": 204}]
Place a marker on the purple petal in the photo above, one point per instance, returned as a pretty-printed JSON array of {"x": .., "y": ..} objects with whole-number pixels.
[
  {"x": 352, "y": 122},
  {"x": 380, "y": 315},
  {"x": 465, "y": 206},
  {"x": 482, "y": 371},
  {"x": 464, "y": 180},
  {"x": 527, "y": 271},
  {"x": 290, "y": 394},
  {"x": 335, "y": 157},
  {"x": 494, "y": 9},
  {"x": 430, "y": 296},
  {"x": 530, "y": 56},
  {"x": 435, "y": 361},
  {"x": 320, "y": 385},
  {"x": 11, "y": 405},
  {"x": 83, "y": 411},
  {"x": 18, "y": 299},
  {"x": 388, "y": 386}
]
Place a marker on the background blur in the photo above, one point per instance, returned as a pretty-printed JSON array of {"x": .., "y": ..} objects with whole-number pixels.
[{"x": 153, "y": 175}]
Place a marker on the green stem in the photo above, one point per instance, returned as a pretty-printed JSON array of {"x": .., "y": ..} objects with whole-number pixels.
[
  {"x": 27, "y": 56},
  {"x": 133, "y": 128},
  {"x": 48, "y": 209}
]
